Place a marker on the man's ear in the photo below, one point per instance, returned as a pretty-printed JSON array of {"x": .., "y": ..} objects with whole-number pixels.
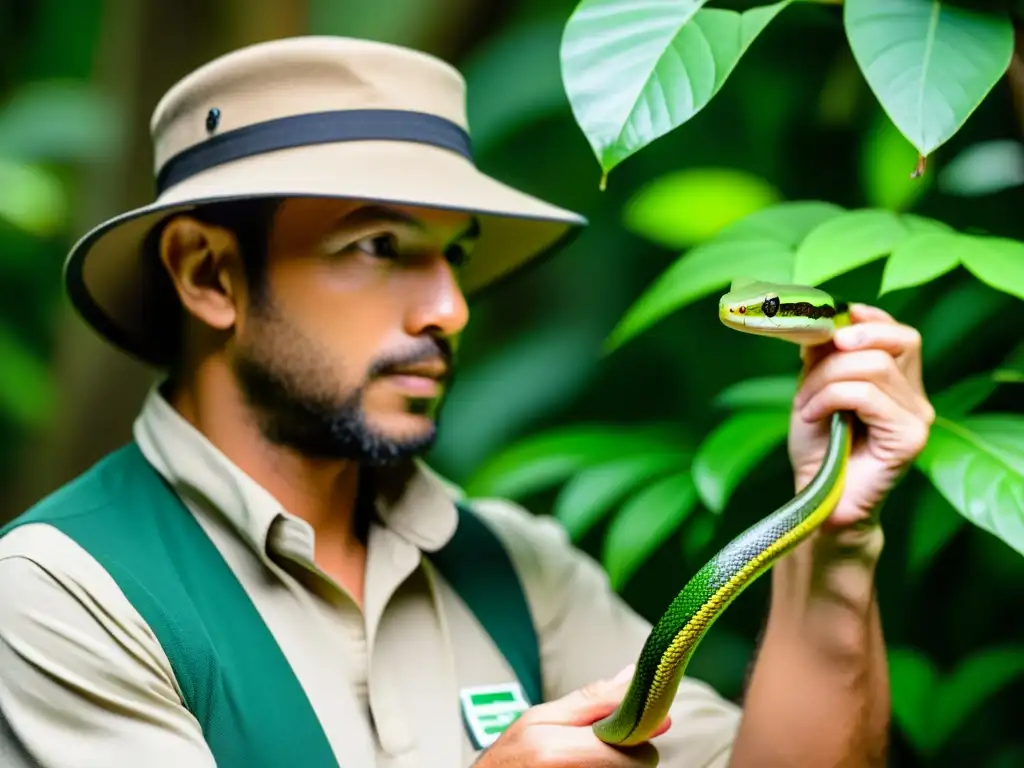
[{"x": 202, "y": 261}]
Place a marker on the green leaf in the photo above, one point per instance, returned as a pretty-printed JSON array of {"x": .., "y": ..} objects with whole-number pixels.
[
  {"x": 762, "y": 392},
  {"x": 977, "y": 679},
  {"x": 732, "y": 449},
  {"x": 996, "y": 261},
  {"x": 593, "y": 492},
  {"x": 644, "y": 523},
  {"x": 499, "y": 105},
  {"x": 634, "y": 71},
  {"x": 933, "y": 525},
  {"x": 965, "y": 395},
  {"x": 788, "y": 222},
  {"x": 929, "y": 707},
  {"x": 846, "y": 242},
  {"x": 707, "y": 268},
  {"x": 920, "y": 259},
  {"x": 60, "y": 122},
  {"x": 984, "y": 168},
  {"x": 929, "y": 64},
  {"x": 32, "y": 199},
  {"x": 912, "y": 682},
  {"x": 919, "y": 225},
  {"x": 686, "y": 207},
  {"x": 541, "y": 461},
  {"x": 698, "y": 535},
  {"x": 977, "y": 464},
  {"x": 26, "y": 391},
  {"x": 884, "y": 161}
]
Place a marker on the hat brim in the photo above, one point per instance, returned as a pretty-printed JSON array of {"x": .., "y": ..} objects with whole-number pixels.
[{"x": 104, "y": 271}]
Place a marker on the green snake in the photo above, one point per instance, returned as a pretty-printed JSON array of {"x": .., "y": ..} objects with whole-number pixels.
[{"x": 794, "y": 313}]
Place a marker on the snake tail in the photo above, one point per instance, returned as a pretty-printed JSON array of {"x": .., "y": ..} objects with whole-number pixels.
[{"x": 676, "y": 635}]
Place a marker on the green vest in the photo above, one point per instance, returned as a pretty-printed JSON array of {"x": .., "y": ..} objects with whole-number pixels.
[{"x": 233, "y": 676}]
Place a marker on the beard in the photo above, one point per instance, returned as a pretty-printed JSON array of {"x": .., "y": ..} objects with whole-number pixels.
[{"x": 300, "y": 404}]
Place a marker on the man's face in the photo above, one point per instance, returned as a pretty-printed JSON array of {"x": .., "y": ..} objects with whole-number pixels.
[{"x": 349, "y": 347}]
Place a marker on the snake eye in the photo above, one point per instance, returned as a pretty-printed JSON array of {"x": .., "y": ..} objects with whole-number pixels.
[
  {"x": 770, "y": 306},
  {"x": 743, "y": 310}
]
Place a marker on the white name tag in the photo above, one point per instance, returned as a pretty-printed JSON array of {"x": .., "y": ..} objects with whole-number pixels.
[{"x": 489, "y": 709}]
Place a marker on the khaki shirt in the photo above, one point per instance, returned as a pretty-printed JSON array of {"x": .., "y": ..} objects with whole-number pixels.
[{"x": 84, "y": 683}]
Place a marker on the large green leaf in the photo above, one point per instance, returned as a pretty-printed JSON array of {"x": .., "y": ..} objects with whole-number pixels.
[
  {"x": 543, "y": 460},
  {"x": 707, "y": 268},
  {"x": 929, "y": 63},
  {"x": 732, "y": 449},
  {"x": 930, "y": 707},
  {"x": 644, "y": 523},
  {"x": 977, "y": 464},
  {"x": 589, "y": 495},
  {"x": 919, "y": 259},
  {"x": 688, "y": 206},
  {"x": 761, "y": 392},
  {"x": 996, "y": 261},
  {"x": 636, "y": 69},
  {"x": 788, "y": 222},
  {"x": 846, "y": 242}
]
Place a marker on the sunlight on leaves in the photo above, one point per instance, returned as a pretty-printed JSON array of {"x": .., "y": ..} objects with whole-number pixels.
[
  {"x": 732, "y": 449},
  {"x": 636, "y": 69},
  {"x": 644, "y": 523},
  {"x": 686, "y": 207},
  {"x": 984, "y": 169},
  {"x": 32, "y": 199},
  {"x": 589, "y": 495},
  {"x": 845, "y": 243},
  {"x": 929, "y": 64},
  {"x": 977, "y": 464}
]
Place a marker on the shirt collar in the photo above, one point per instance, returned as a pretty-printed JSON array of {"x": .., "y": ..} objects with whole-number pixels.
[{"x": 411, "y": 500}]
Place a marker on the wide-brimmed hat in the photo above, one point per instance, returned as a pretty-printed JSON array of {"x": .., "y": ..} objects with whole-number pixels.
[{"x": 307, "y": 117}]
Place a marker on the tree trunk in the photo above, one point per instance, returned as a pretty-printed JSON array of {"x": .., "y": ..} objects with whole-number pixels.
[{"x": 143, "y": 49}]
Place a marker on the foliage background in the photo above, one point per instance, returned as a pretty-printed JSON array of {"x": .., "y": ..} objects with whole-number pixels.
[{"x": 795, "y": 121}]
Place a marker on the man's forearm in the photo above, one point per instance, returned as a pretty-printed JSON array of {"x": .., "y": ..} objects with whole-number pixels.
[{"x": 819, "y": 692}]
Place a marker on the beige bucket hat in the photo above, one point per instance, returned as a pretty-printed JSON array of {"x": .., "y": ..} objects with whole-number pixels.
[{"x": 307, "y": 117}]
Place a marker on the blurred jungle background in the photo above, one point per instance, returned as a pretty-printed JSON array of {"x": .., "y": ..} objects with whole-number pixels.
[{"x": 540, "y": 411}]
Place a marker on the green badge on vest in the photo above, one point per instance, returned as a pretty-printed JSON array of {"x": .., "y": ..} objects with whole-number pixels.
[{"x": 490, "y": 709}]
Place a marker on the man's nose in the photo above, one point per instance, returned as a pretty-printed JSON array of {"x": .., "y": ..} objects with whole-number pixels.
[{"x": 441, "y": 304}]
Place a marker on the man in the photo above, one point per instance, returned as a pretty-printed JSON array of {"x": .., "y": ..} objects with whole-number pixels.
[{"x": 267, "y": 575}]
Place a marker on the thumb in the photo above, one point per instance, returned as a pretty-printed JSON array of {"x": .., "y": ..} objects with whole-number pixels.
[{"x": 585, "y": 705}]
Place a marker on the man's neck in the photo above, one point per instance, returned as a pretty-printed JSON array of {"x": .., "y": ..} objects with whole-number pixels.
[{"x": 323, "y": 493}]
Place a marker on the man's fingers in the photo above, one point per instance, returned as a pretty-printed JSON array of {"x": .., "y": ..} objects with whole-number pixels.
[
  {"x": 584, "y": 706},
  {"x": 865, "y": 313},
  {"x": 894, "y": 338},
  {"x": 871, "y": 365}
]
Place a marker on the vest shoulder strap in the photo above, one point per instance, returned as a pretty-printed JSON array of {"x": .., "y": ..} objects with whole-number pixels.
[
  {"x": 234, "y": 678},
  {"x": 479, "y": 569}
]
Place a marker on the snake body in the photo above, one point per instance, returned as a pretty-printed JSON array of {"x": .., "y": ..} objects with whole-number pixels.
[{"x": 795, "y": 313}]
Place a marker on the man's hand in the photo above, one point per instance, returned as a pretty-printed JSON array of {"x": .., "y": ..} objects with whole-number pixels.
[
  {"x": 557, "y": 734},
  {"x": 873, "y": 367}
]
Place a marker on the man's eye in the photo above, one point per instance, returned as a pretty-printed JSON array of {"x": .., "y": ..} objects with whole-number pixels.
[
  {"x": 381, "y": 246},
  {"x": 457, "y": 256}
]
